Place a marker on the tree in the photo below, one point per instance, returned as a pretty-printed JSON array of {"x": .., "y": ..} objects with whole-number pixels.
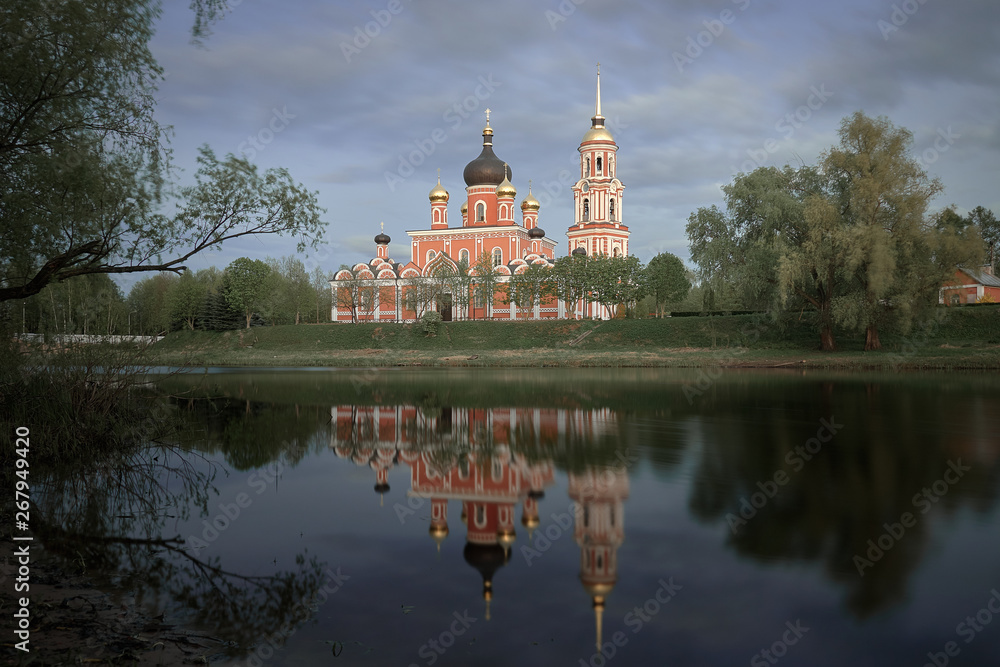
[
  {"x": 486, "y": 278},
  {"x": 811, "y": 267},
  {"x": 187, "y": 297},
  {"x": 879, "y": 193},
  {"x": 778, "y": 245},
  {"x": 356, "y": 292},
  {"x": 667, "y": 280},
  {"x": 460, "y": 286},
  {"x": 321, "y": 295},
  {"x": 571, "y": 279},
  {"x": 989, "y": 229},
  {"x": 529, "y": 288},
  {"x": 602, "y": 283},
  {"x": 630, "y": 285},
  {"x": 83, "y": 162},
  {"x": 148, "y": 303},
  {"x": 737, "y": 250},
  {"x": 247, "y": 283},
  {"x": 293, "y": 293}
]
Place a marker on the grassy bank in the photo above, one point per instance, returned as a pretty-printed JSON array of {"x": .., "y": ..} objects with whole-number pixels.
[{"x": 954, "y": 338}]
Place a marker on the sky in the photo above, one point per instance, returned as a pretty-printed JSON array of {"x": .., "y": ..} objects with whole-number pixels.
[{"x": 362, "y": 102}]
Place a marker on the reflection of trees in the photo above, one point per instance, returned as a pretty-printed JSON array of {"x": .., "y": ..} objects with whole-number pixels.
[
  {"x": 250, "y": 434},
  {"x": 843, "y": 496},
  {"x": 113, "y": 519}
]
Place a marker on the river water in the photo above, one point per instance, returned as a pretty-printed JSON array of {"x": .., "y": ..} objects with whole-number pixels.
[{"x": 589, "y": 517}]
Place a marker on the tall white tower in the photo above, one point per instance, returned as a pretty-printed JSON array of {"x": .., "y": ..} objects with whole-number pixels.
[{"x": 597, "y": 197}]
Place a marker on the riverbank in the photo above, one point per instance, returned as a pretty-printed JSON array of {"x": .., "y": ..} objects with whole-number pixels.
[
  {"x": 75, "y": 622},
  {"x": 961, "y": 338}
]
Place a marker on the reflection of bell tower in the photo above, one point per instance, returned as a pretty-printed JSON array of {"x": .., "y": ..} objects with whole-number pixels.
[{"x": 599, "y": 496}]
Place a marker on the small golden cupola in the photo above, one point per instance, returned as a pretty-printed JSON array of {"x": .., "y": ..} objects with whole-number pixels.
[
  {"x": 438, "y": 193},
  {"x": 438, "y": 197},
  {"x": 506, "y": 190}
]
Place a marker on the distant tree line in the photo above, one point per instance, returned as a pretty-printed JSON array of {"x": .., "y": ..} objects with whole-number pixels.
[{"x": 275, "y": 291}]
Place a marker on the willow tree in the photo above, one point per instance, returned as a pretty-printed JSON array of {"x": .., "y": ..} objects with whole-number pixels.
[
  {"x": 84, "y": 163},
  {"x": 763, "y": 248},
  {"x": 881, "y": 194}
]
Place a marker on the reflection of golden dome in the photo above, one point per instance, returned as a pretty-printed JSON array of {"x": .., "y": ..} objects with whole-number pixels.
[
  {"x": 506, "y": 537},
  {"x": 529, "y": 521},
  {"x": 438, "y": 193},
  {"x": 438, "y": 533},
  {"x": 599, "y": 591}
]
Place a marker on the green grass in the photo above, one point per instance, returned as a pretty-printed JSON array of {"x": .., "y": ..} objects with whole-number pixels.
[{"x": 959, "y": 337}]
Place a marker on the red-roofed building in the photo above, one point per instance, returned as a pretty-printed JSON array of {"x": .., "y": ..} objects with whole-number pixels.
[{"x": 970, "y": 286}]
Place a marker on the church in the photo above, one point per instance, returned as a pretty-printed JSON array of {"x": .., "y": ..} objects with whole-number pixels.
[{"x": 384, "y": 290}]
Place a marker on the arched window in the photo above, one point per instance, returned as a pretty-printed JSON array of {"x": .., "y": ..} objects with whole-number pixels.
[
  {"x": 480, "y": 212},
  {"x": 586, "y": 209},
  {"x": 480, "y": 516},
  {"x": 611, "y": 165},
  {"x": 463, "y": 256},
  {"x": 598, "y": 165},
  {"x": 437, "y": 215},
  {"x": 612, "y": 209},
  {"x": 430, "y": 256},
  {"x": 497, "y": 257},
  {"x": 588, "y": 167},
  {"x": 617, "y": 252}
]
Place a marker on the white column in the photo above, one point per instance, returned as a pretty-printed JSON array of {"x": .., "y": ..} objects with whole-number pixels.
[{"x": 378, "y": 305}]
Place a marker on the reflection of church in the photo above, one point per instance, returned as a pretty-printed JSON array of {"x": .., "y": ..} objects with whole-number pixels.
[{"x": 477, "y": 457}]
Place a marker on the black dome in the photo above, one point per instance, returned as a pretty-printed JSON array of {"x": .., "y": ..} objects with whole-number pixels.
[
  {"x": 382, "y": 239},
  {"x": 579, "y": 251},
  {"x": 487, "y": 558},
  {"x": 536, "y": 233},
  {"x": 487, "y": 169}
]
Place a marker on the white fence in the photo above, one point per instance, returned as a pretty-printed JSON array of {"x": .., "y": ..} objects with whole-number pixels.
[{"x": 81, "y": 338}]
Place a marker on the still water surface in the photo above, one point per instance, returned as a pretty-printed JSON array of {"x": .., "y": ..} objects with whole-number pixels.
[{"x": 577, "y": 517}]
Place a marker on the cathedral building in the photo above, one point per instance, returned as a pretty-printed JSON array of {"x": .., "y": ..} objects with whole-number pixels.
[{"x": 384, "y": 290}]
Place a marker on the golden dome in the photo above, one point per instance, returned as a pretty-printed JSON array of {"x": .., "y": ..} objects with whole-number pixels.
[
  {"x": 438, "y": 193},
  {"x": 529, "y": 521},
  {"x": 598, "y": 133},
  {"x": 465, "y": 207},
  {"x": 506, "y": 189},
  {"x": 529, "y": 203}
]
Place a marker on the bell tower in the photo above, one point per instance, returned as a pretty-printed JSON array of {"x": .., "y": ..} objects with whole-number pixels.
[{"x": 597, "y": 197}]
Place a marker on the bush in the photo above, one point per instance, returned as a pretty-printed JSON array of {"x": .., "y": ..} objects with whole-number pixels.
[{"x": 430, "y": 321}]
